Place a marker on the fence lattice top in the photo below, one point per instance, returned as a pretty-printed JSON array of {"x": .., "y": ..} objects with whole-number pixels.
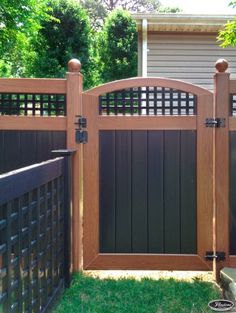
[
  {"x": 147, "y": 101},
  {"x": 32, "y": 104}
]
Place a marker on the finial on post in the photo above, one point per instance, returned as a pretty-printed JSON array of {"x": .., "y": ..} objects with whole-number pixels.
[
  {"x": 221, "y": 65},
  {"x": 74, "y": 66}
]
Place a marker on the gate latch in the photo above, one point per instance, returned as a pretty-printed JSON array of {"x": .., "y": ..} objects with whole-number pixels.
[
  {"x": 215, "y": 122},
  {"x": 81, "y": 135},
  {"x": 82, "y": 121},
  {"x": 218, "y": 256}
]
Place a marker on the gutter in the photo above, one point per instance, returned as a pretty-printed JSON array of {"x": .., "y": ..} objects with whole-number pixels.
[{"x": 144, "y": 47}]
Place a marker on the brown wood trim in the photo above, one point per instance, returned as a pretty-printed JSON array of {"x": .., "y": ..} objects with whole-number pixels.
[
  {"x": 91, "y": 181},
  {"x": 232, "y": 260},
  {"x": 147, "y": 122},
  {"x": 232, "y": 86},
  {"x": 147, "y": 261},
  {"x": 74, "y": 107},
  {"x": 32, "y": 123},
  {"x": 32, "y": 85},
  {"x": 148, "y": 82},
  {"x": 232, "y": 123},
  {"x": 204, "y": 176},
  {"x": 222, "y": 168}
]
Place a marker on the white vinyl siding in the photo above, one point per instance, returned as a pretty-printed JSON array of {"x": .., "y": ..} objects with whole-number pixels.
[{"x": 187, "y": 57}]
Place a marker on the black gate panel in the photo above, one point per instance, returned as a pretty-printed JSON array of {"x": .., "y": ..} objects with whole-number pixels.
[{"x": 148, "y": 192}]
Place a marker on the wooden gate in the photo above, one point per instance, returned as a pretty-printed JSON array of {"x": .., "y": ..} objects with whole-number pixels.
[{"x": 148, "y": 176}]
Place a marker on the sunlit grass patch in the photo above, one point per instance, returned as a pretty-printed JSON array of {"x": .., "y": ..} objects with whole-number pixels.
[{"x": 89, "y": 294}]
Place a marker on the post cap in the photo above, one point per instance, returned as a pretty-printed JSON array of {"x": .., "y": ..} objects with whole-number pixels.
[
  {"x": 221, "y": 65},
  {"x": 74, "y": 65}
]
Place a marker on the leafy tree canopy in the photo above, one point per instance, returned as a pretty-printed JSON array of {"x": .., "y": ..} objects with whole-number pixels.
[
  {"x": 67, "y": 36},
  {"x": 19, "y": 22},
  {"x": 118, "y": 46},
  {"x": 18, "y": 18},
  {"x": 227, "y": 36}
]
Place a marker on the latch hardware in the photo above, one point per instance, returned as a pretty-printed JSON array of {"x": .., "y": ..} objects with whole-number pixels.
[
  {"x": 81, "y": 136},
  {"x": 82, "y": 121},
  {"x": 215, "y": 122},
  {"x": 218, "y": 256}
]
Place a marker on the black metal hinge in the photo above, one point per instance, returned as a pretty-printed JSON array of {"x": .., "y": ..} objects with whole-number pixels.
[
  {"x": 218, "y": 256},
  {"x": 215, "y": 122}
]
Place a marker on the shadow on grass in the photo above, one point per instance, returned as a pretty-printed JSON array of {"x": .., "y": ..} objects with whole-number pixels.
[{"x": 127, "y": 295}]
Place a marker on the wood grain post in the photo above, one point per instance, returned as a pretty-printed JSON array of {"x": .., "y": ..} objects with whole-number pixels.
[
  {"x": 221, "y": 216},
  {"x": 74, "y": 108}
]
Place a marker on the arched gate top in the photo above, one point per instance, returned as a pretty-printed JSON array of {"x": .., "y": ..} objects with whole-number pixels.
[{"x": 148, "y": 82}]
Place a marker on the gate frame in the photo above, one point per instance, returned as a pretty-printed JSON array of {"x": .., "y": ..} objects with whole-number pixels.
[{"x": 91, "y": 257}]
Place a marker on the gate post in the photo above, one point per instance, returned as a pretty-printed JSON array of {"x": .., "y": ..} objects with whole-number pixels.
[
  {"x": 221, "y": 216},
  {"x": 74, "y": 108}
]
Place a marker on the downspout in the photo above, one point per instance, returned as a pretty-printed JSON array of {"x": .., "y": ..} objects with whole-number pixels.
[{"x": 144, "y": 47}]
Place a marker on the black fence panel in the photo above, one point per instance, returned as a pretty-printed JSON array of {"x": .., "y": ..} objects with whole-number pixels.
[
  {"x": 23, "y": 148},
  {"x": 34, "y": 236}
]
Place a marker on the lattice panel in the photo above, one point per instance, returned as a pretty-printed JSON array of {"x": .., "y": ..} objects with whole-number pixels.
[
  {"x": 32, "y": 104},
  {"x": 31, "y": 249},
  {"x": 233, "y": 104},
  {"x": 148, "y": 101}
]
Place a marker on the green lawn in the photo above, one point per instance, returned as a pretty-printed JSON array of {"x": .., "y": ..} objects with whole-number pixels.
[{"x": 126, "y": 295}]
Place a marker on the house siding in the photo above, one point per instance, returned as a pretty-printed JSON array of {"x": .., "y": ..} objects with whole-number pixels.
[{"x": 188, "y": 57}]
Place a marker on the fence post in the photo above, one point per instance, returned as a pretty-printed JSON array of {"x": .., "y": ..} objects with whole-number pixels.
[
  {"x": 74, "y": 108},
  {"x": 67, "y": 154},
  {"x": 221, "y": 216}
]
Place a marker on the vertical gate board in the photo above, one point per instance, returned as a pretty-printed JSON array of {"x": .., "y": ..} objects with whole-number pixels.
[
  {"x": 139, "y": 192},
  {"x": 172, "y": 191},
  {"x": 188, "y": 192},
  {"x": 204, "y": 178},
  {"x": 232, "y": 192},
  {"x": 107, "y": 191},
  {"x": 91, "y": 183},
  {"x": 123, "y": 192},
  {"x": 155, "y": 192}
]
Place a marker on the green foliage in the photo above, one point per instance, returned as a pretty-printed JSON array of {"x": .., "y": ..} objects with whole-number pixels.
[
  {"x": 20, "y": 17},
  {"x": 227, "y": 36},
  {"x": 19, "y": 22},
  {"x": 118, "y": 47},
  {"x": 89, "y": 294},
  {"x": 67, "y": 36}
]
